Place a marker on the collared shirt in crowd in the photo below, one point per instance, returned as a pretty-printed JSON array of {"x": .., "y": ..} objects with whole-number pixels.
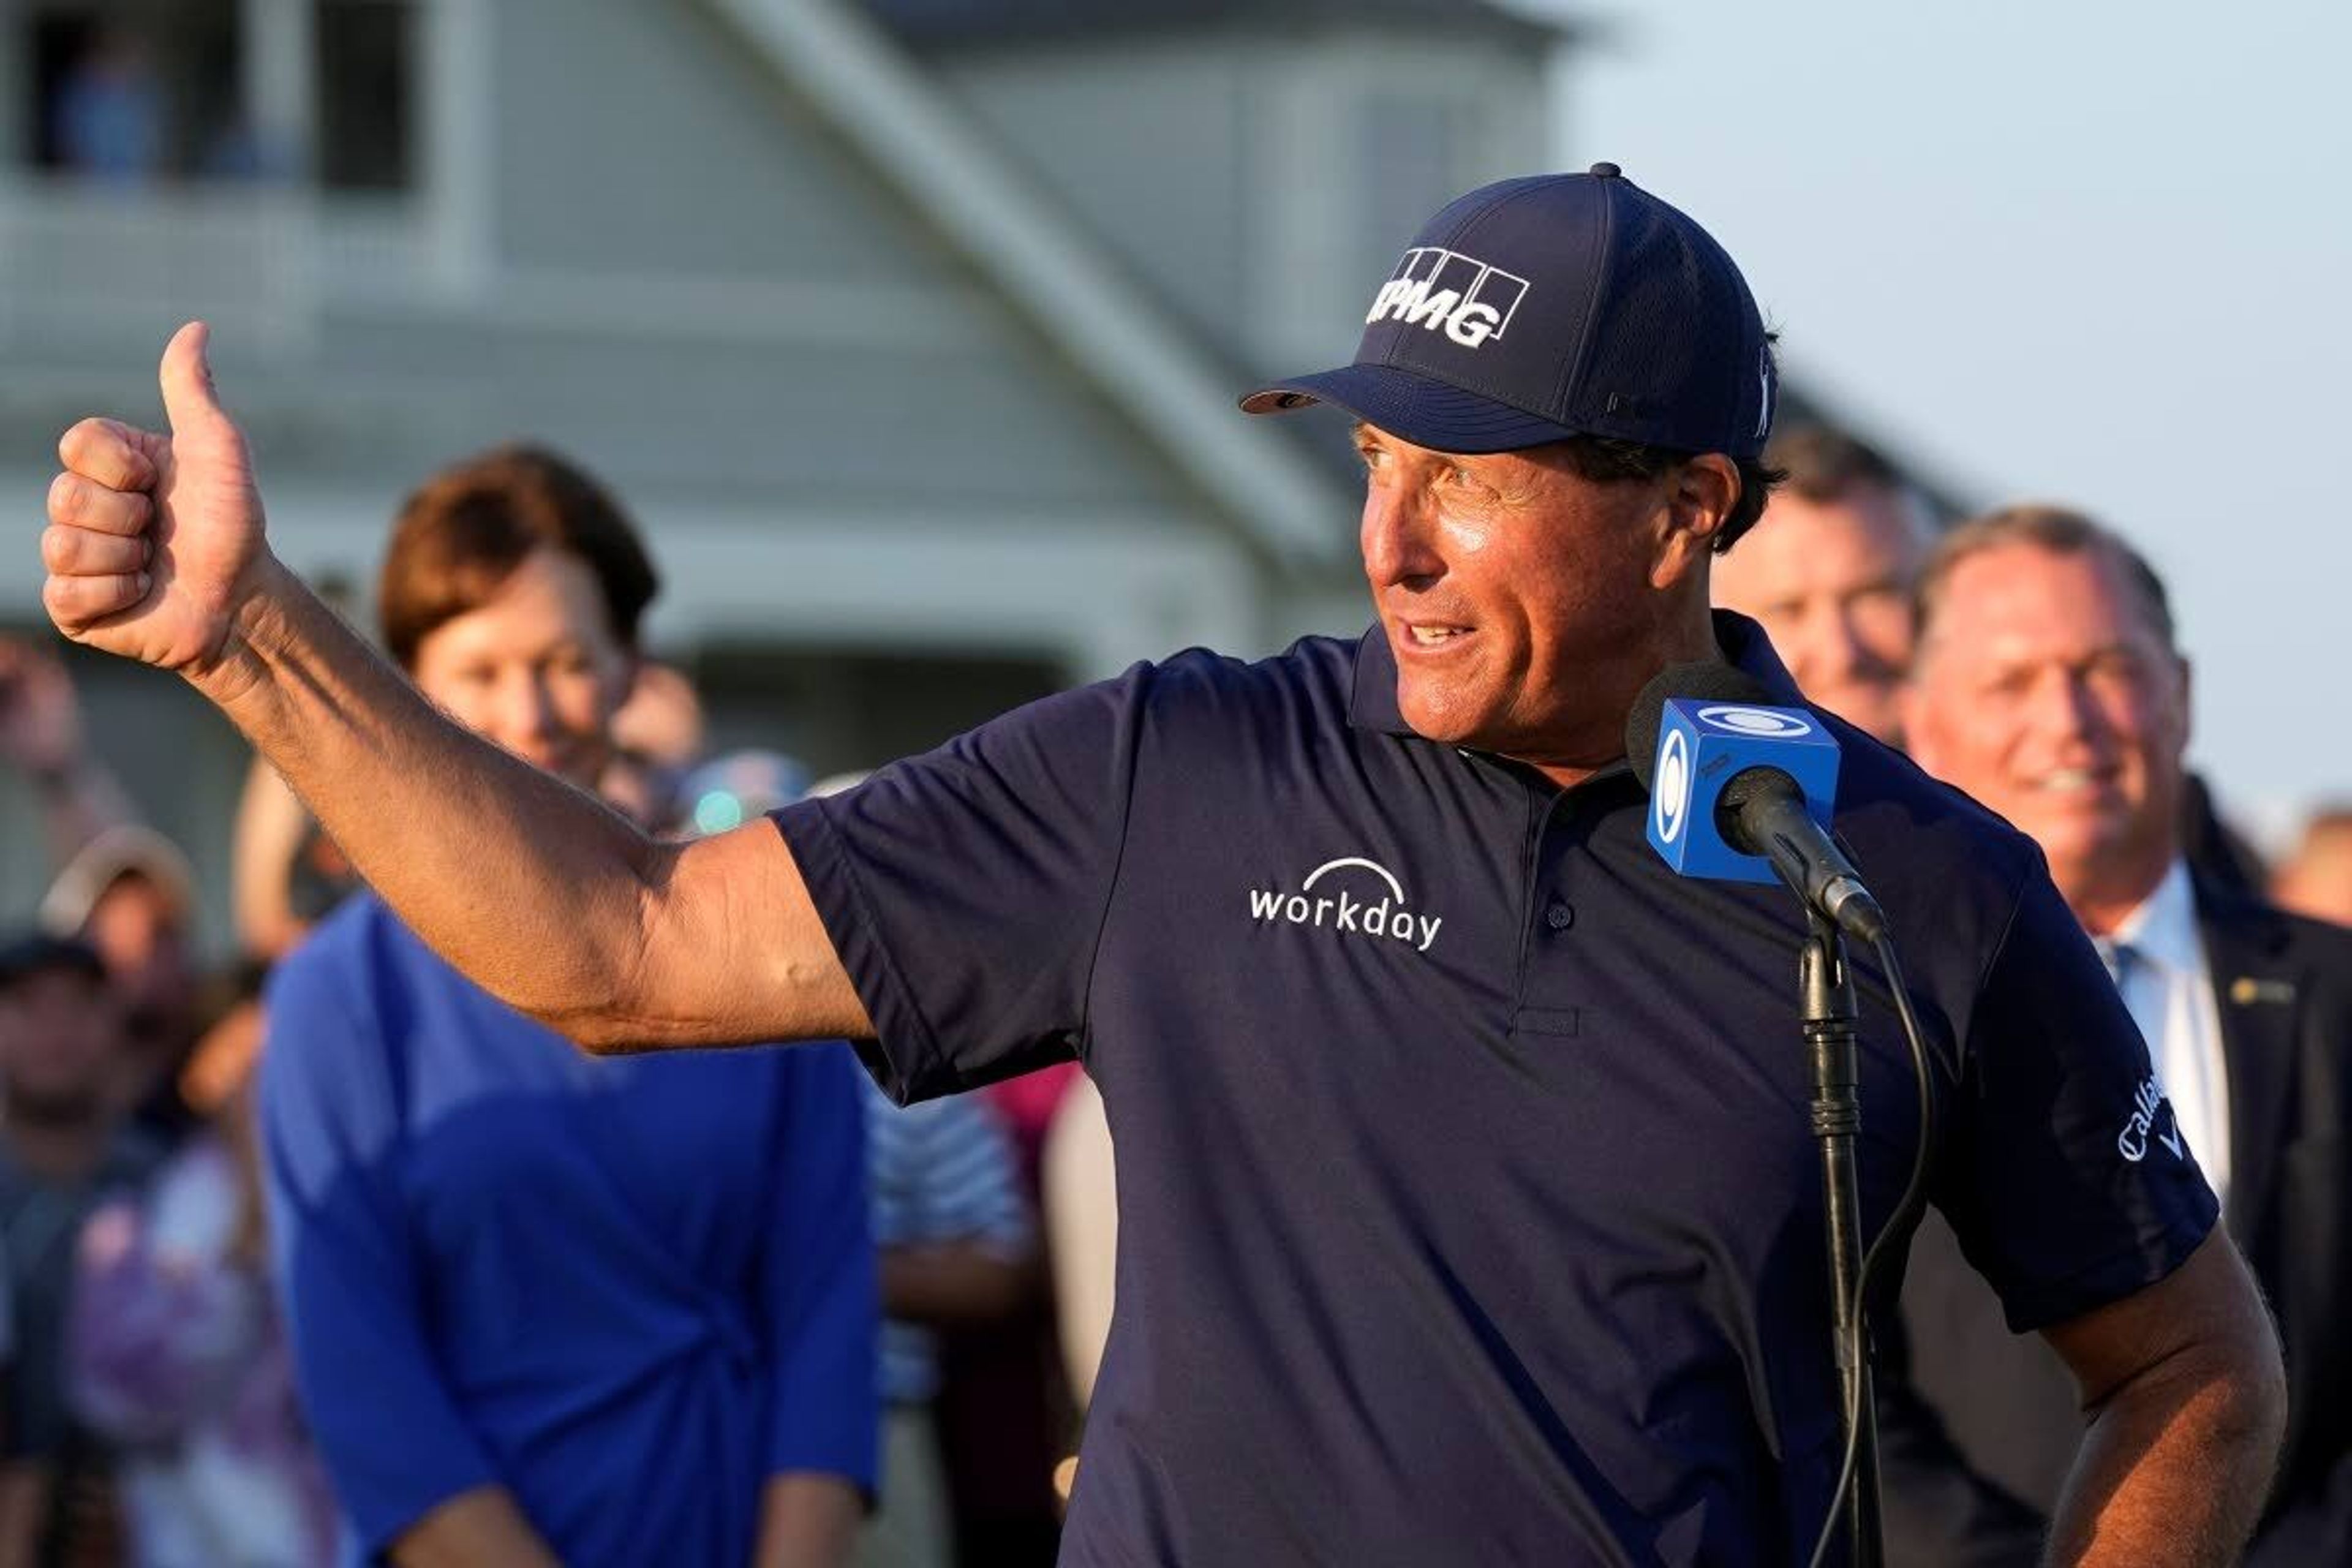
[{"x": 2168, "y": 986}]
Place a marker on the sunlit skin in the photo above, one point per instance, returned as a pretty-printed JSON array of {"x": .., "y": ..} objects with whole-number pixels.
[
  {"x": 1830, "y": 581},
  {"x": 219, "y": 1067},
  {"x": 2045, "y": 690},
  {"x": 1526, "y": 605},
  {"x": 535, "y": 669},
  {"x": 2316, "y": 880}
]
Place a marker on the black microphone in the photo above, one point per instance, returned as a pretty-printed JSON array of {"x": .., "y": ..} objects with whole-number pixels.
[{"x": 1760, "y": 810}]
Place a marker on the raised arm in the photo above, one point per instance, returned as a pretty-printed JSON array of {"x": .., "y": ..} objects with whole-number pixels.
[
  {"x": 156, "y": 551},
  {"x": 2186, "y": 1400}
]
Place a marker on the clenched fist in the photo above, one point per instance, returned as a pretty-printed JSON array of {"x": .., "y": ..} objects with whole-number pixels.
[{"x": 154, "y": 542}]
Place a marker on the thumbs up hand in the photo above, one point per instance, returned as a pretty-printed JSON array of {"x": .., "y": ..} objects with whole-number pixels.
[{"x": 154, "y": 542}]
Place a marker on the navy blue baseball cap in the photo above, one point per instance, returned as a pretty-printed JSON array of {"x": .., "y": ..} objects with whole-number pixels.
[{"x": 1560, "y": 305}]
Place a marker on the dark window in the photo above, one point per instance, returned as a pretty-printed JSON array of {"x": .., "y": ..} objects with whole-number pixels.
[
  {"x": 135, "y": 91},
  {"x": 132, "y": 93},
  {"x": 367, "y": 95}
]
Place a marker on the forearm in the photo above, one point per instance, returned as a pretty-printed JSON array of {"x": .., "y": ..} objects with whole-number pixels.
[
  {"x": 438, "y": 821},
  {"x": 947, "y": 1283},
  {"x": 807, "y": 1521},
  {"x": 271, "y": 823},
  {"x": 480, "y": 1526},
  {"x": 156, "y": 551},
  {"x": 2173, "y": 1471}
]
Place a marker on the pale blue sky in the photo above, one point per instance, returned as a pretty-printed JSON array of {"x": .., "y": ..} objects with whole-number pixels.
[{"x": 2100, "y": 254}]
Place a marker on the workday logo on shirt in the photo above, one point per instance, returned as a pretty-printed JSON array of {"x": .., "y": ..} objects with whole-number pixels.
[{"x": 1352, "y": 897}]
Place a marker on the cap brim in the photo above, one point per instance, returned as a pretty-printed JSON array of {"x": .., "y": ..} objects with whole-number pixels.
[{"x": 1423, "y": 411}]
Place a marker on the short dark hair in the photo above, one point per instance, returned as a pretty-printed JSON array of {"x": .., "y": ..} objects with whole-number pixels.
[
  {"x": 2059, "y": 530},
  {"x": 32, "y": 953},
  {"x": 464, "y": 532},
  {"x": 1605, "y": 459},
  {"x": 1825, "y": 463}
]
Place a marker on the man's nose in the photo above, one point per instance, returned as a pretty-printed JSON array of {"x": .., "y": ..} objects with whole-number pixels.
[
  {"x": 1398, "y": 537},
  {"x": 2064, "y": 707},
  {"x": 1834, "y": 644},
  {"x": 526, "y": 707}
]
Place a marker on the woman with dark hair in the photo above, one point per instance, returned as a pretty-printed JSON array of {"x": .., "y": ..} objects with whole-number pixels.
[{"x": 526, "y": 1330}]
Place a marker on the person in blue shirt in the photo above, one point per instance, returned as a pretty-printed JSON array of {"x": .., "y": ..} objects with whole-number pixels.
[{"x": 547, "y": 1308}]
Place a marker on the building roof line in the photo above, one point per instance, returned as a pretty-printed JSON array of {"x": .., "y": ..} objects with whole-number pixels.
[{"x": 1117, "y": 336}]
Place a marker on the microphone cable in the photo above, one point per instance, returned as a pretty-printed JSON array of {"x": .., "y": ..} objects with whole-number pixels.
[{"x": 1906, "y": 1214}]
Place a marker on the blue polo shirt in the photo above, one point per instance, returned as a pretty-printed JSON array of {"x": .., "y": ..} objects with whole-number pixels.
[{"x": 1468, "y": 1211}]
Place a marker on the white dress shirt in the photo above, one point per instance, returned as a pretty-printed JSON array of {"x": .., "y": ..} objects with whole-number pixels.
[{"x": 2169, "y": 987}]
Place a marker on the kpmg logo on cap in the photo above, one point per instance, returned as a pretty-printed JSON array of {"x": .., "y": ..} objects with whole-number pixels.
[{"x": 1436, "y": 289}]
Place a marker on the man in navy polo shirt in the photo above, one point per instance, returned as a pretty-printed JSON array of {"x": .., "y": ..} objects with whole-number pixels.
[{"x": 1468, "y": 1210}]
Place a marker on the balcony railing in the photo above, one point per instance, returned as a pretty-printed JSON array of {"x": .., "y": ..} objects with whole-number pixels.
[{"x": 87, "y": 266}]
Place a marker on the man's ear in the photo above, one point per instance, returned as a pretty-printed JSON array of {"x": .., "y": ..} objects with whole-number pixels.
[{"x": 1699, "y": 499}]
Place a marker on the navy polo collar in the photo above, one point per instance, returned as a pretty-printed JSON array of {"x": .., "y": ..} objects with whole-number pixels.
[{"x": 1372, "y": 705}]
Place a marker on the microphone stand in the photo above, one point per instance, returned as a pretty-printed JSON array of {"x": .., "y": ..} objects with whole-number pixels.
[{"x": 1830, "y": 1009}]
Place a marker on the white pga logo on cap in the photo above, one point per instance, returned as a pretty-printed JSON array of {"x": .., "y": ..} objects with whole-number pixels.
[
  {"x": 1670, "y": 801},
  {"x": 1759, "y": 723}
]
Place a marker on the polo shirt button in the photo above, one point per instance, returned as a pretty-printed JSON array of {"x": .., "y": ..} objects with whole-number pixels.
[{"x": 1561, "y": 915}]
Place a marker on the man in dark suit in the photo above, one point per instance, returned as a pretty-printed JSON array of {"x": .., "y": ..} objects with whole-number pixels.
[{"x": 2049, "y": 686}]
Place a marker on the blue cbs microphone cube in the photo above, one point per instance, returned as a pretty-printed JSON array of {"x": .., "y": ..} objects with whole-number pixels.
[{"x": 1702, "y": 745}]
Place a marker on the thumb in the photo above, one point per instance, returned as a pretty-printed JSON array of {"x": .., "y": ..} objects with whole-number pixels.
[{"x": 190, "y": 402}]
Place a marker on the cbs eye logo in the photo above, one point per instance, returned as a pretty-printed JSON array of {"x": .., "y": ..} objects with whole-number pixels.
[
  {"x": 1757, "y": 724},
  {"x": 1670, "y": 801}
]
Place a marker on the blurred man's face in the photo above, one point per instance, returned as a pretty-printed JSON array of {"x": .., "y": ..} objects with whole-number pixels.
[
  {"x": 57, "y": 1046},
  {"x": 2044, "y": 691},
  {"x": 140, "y": 932},
  {"x": 1831, "y": 583}
]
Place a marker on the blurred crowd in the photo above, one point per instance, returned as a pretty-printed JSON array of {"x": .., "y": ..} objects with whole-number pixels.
[
  {"x": 271, "y": 1317},
  {"x": 315, "y": 1254}
]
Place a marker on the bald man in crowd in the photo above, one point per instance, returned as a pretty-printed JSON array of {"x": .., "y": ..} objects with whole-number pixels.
[{"x": 1828, "y": 572}]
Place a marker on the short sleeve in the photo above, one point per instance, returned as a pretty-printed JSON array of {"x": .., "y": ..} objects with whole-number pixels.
[
  {"x": 965, "y": 891},
  {"x": 2063, "y": 1172}
]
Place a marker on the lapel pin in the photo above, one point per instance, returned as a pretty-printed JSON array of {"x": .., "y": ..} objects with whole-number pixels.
[{"x": 2246, "y": 989}]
